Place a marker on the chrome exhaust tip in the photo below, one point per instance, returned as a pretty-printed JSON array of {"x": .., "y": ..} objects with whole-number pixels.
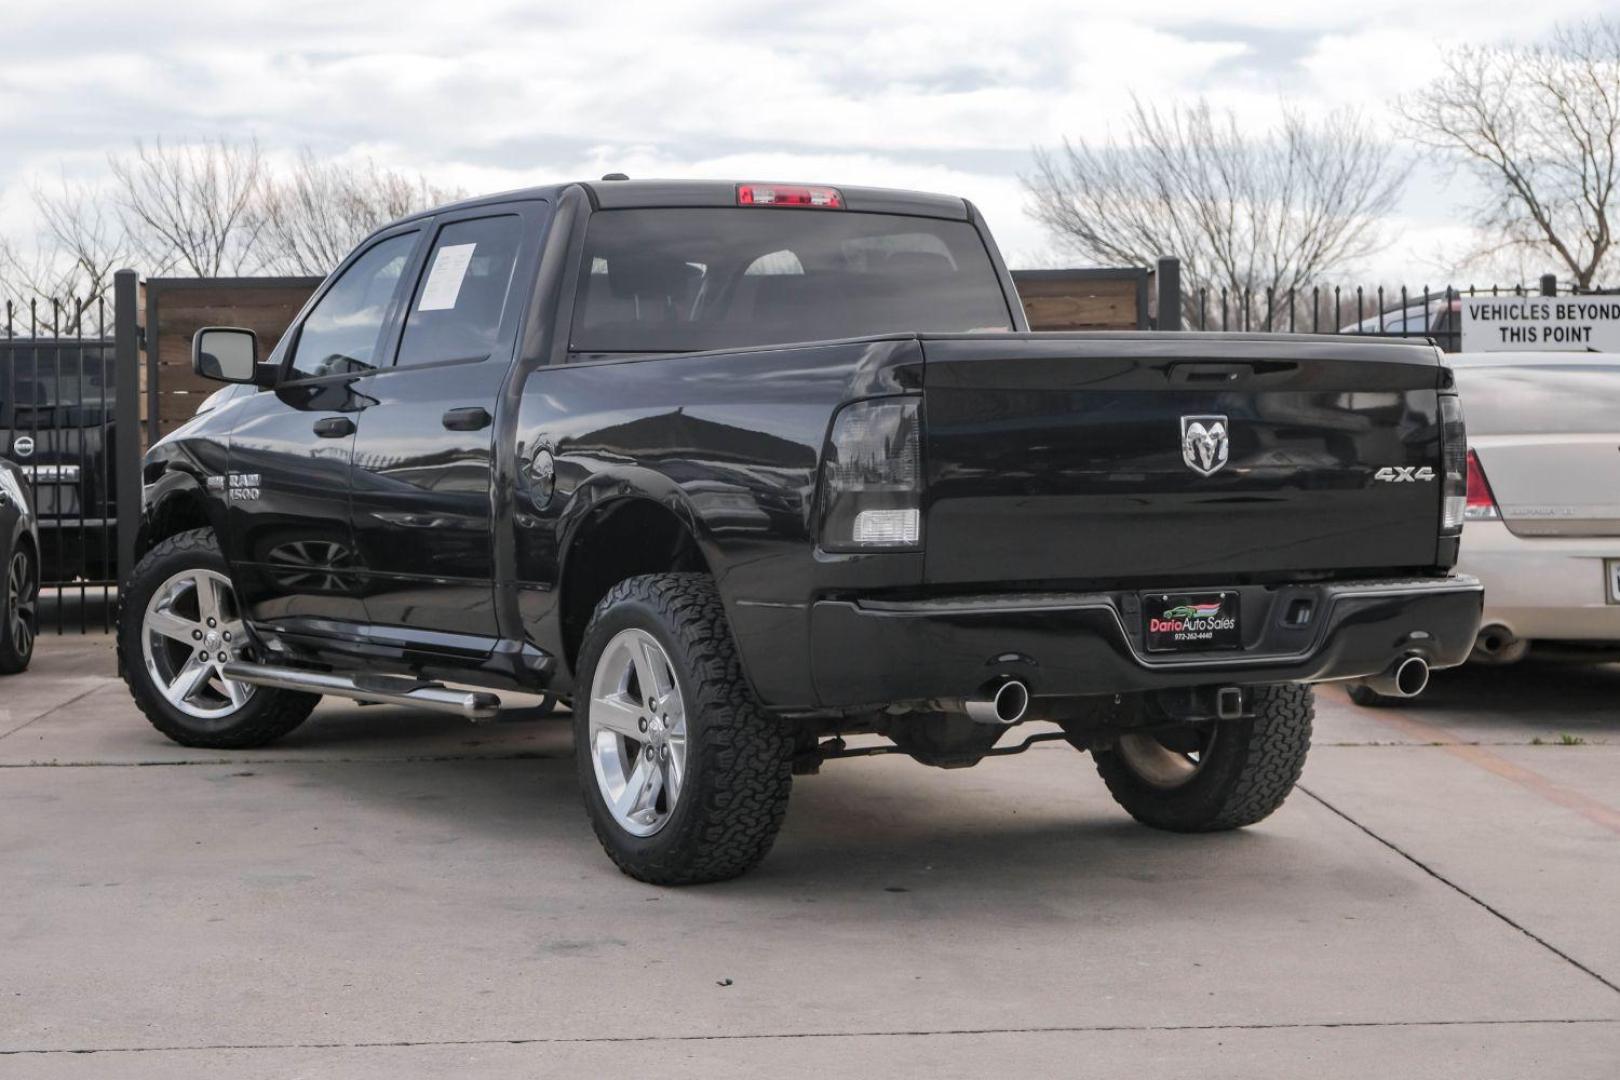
[
  {"x": 1405, "y": 678},
  {"x": 1411, "y": 676},
  {"x": 1011, "y": 701},
  {"x": 1000, "y": 703}
]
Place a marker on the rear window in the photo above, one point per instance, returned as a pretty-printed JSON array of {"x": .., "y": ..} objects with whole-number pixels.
[
  {"x": 55, "y": 384},
  {"x": 667, "y": 280}
]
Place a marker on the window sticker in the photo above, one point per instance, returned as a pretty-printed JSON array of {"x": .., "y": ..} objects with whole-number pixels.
[{"x": 444, "y": 280}]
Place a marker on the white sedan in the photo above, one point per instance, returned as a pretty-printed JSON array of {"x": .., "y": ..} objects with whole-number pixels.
[{"x": 1542, "y": 525}]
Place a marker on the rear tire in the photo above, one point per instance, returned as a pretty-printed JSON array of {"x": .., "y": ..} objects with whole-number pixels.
[
  {"x": 161, "y": 609},
  {"x": 1243, "y": 770},
  {"x": 1367, "y": 697},
  {"x": 661, "y": 641},
  {"x": 19, "y": 597}
]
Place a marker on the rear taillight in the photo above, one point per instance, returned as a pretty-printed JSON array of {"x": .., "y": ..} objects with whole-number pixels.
[
  {"x": 816, "y": 198},
  {"x": 1454, "y": 455},
  {"x": 872, "y": 477},
  {"x": 1481, "y": 502}
]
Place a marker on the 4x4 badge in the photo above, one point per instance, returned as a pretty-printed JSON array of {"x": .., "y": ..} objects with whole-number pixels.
[
  {"x": 1404, "y": 474},
  {"x": 1203, "y": 443}
]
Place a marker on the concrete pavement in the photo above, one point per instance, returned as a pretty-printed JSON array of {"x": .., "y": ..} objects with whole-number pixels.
[{"x": 395, "y": 894}]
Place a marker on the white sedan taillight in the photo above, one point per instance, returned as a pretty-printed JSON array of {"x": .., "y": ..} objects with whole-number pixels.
[{"x": 1481, "y": 503}]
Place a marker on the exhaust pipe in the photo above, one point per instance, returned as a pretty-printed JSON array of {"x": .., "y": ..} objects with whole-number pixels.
[
  {"x": 1496, "y": 644},
  {"x": 1001, "y": 703},
  {"x": 382, "y": 689},
  {"x": 1406, "y": 678}
]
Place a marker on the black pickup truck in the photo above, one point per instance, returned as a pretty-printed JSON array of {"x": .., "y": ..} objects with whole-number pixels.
[
  {"x": 57, "y": 423},
  {"x": 741, "y": 470}
]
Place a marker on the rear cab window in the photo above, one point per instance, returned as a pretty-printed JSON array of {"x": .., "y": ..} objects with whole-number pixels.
[
  {"x": 458, "y": 308},
  {"x": 671, "y": 280}
]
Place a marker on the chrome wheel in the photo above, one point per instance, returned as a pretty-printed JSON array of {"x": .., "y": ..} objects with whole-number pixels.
[
  {"x": 20, "y": 589},
  {"x": 190, "y": 631},
  {"x": 1167, "y": 759},
  {"x": 637, "y": 730}
]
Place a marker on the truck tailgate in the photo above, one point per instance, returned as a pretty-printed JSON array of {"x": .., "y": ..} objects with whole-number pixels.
[{"x": 1159, "y": 459}]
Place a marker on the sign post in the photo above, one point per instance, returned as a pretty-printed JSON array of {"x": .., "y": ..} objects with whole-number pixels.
[{"x": 1541, "y": 324}]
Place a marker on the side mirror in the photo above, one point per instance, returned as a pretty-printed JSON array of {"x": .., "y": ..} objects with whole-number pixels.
[{"x": 225, "y": 354}]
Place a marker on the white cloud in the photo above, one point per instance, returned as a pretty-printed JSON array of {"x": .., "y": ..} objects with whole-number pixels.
[{"x": 487, "y": 94}]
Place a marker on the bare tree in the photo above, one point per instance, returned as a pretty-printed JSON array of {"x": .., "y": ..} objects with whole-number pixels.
[
  {"x": 59, "y": 284},
  {"x": 188, "y": 208},
  {"x": 1245, "y": 211},
  {"x": 1539, "y": 125},
  {"x": 307, "y": 220},
  {"x": 29, "y": 281},
  {"x": 86, "y": 239}
]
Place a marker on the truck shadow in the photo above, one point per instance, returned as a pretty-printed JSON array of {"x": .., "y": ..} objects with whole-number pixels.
[
  {"x": 1031, "y": 832},
  {"x": 349, "y": 730}
]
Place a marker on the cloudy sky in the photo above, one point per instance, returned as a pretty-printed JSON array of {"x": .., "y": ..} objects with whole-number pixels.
[{"x": 487, "y": 95}]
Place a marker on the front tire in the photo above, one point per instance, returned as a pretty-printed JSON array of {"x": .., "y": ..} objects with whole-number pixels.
[
  {"x": 178, "y": 625},
  {"x": 685, "y": 777},
  {"x": 1216, "y": 776}
]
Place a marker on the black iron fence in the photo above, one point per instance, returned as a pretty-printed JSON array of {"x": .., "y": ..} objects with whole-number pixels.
[
  {"x": 1387, "y": 312},
  {"x": 64, "y": 384},
  {"x": 1400, "y": 312}
]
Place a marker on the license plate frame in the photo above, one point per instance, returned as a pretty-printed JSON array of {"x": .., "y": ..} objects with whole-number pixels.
[{"x": 1191, "y": 622}]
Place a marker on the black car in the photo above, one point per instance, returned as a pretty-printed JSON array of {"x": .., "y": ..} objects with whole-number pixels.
[
  {"x": 1436, "y": 317},
  {"x": 739, "y": 470},
  {"x": 19, "y": 555}
]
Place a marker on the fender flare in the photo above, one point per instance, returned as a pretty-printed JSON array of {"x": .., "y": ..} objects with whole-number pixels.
[
  {"x": 608, "y": 491},
  {"x": 174, "y": 485}
]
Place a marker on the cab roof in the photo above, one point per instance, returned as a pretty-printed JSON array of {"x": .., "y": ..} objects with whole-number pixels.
[{"x": 627, "y": 194}]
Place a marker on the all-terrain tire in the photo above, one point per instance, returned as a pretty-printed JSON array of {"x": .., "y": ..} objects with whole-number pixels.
[
  {"x": 1367, "y": 697},
  {"x": 1249, "y": 769},
  {"x": 266, "y": 716},
  {"x": 738, "y": 758}
]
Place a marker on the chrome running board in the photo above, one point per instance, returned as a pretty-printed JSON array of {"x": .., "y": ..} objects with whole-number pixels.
[{"x": 381, "y": 689}]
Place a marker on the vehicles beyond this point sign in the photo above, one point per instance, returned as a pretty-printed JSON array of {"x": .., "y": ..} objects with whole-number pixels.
[{"x": 1541, "y": 324}]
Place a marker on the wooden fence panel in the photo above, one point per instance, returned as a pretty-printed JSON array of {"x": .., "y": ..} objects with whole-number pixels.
[
  {"x": 1089, "y": 299},
  {"x": 176, "y": 308}
]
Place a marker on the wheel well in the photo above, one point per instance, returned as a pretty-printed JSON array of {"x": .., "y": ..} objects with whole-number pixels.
[
  {"x": 180, "y": 512},
  {"x": 621, "y": 540},
  {"x": 25, "y": 542}
]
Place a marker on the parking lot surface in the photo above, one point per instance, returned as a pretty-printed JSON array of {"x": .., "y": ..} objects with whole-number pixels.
[{"x": 389, "y": 894}]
